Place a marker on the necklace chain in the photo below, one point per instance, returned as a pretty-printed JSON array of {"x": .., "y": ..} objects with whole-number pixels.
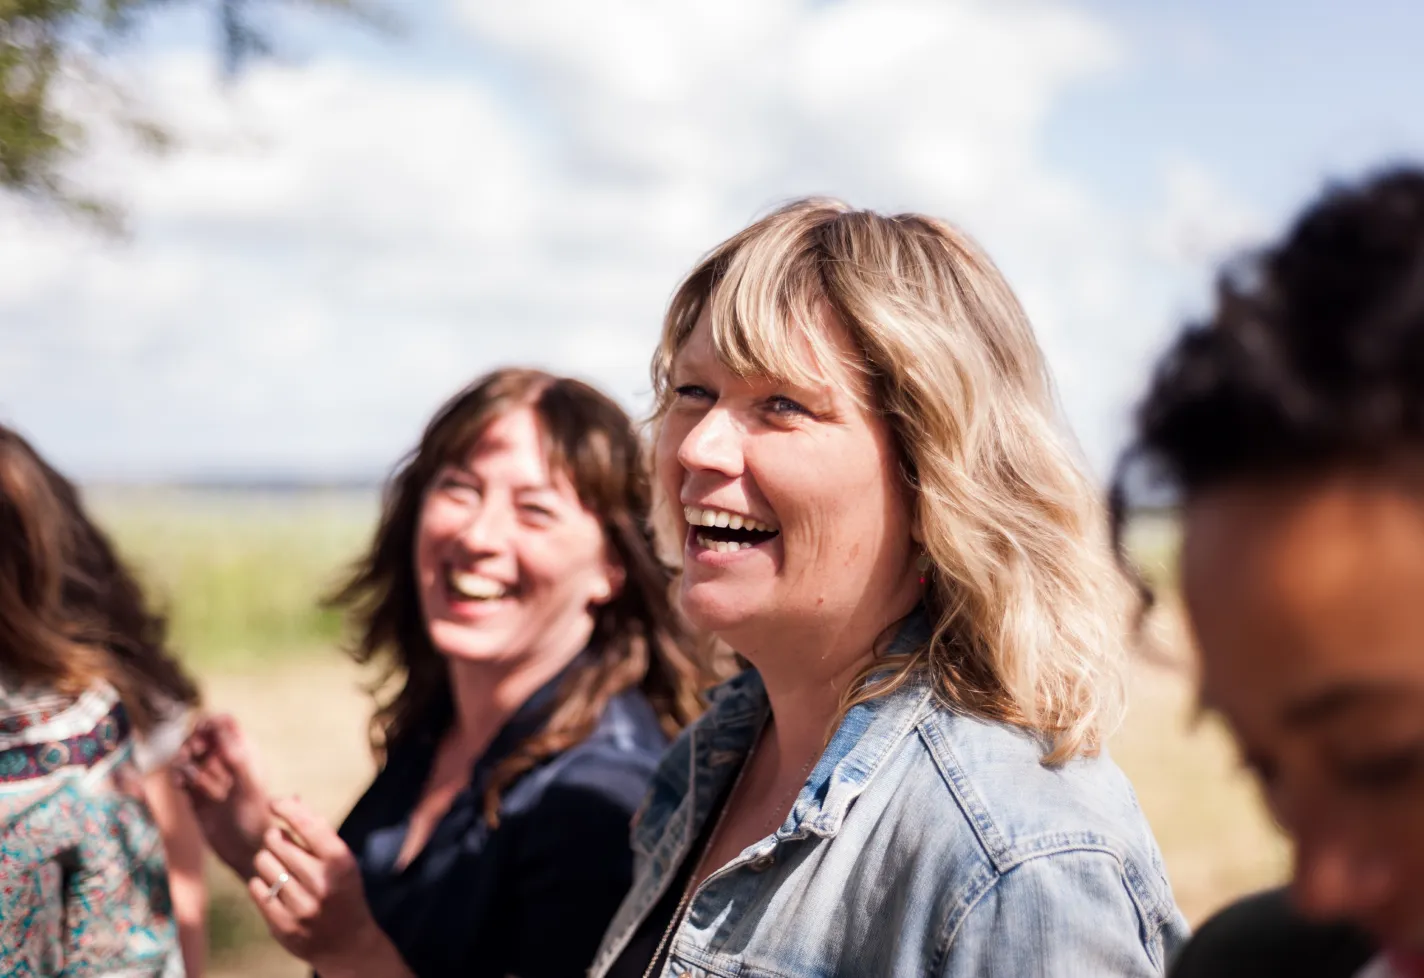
[{"x": 690, "y": 889}]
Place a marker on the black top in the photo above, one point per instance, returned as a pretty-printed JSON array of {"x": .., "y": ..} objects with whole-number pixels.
[
  {"x": 532, "y": 897},
  {"x": 1262, "y": 937}
]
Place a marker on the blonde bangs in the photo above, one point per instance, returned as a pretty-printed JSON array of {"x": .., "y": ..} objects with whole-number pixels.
[
  {"x": 763, "y": 291},
  {"x": 1029, "y": 609}
]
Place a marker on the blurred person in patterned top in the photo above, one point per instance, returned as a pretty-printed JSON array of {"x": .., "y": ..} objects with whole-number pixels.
[{"x": 100, "y": 854}]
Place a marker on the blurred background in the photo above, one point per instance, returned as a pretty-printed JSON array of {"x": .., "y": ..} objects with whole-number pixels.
[{"x": 266, "y": 240}]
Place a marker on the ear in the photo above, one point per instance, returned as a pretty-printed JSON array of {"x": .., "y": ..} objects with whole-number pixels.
[{"x": 612, "y": 581}]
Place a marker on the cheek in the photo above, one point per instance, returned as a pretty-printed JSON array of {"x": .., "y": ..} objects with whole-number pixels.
[
  {"x": 842, "y": 501},
  {"x": 668, "y": 469},
  {"x": 562, "y": 564},
  {"x": 430, "y": 537}
]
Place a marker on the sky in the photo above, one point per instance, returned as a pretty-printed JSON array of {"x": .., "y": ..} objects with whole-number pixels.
[{"x": 348, "y": 233}]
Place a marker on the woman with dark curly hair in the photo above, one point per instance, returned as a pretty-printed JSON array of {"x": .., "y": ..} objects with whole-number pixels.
[
  {"x": 514, "y": 590},
  {"x": 92, "y": 707},
  {"x": 1292, "y": 426}
]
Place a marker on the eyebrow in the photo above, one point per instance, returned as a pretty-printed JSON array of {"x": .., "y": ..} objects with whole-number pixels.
[{"x": 1332, "y": 702}]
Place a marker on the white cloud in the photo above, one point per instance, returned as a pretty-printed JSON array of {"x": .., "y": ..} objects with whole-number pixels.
[
  {"x": 340, "y": 244},
  {"x": 1201, "y": 220}
]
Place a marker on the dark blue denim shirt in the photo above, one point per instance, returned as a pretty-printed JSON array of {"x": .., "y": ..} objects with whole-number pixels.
[{"x": 532, "y": 897}]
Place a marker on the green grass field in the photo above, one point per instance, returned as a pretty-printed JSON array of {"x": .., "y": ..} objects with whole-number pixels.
[{"x": 241, "y": 574}]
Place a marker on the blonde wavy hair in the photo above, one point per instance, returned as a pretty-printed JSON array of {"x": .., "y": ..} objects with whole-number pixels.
[{"x": 1029, "y": 609}]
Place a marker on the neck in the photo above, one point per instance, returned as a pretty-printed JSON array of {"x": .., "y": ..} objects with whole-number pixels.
[
  {"x": 487, "y": 694},
  {"x": 809, "y": 673}
]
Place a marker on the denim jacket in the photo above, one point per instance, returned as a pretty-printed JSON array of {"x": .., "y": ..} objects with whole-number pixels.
[{"x": 924, "y": 842}]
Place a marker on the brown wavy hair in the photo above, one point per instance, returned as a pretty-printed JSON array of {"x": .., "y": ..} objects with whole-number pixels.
[
  {"x": 639, "y": 640},
  {"x": 71, "y": 613}
]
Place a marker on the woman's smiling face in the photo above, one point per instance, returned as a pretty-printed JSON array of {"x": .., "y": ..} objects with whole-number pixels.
[
  {"x": 509, "y": 562},
  {"x": 794, "y": 507}
]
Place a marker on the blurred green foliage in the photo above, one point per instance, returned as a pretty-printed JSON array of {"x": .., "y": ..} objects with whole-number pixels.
[
  {"x": 49, "y": 49},
  {"x": 240, "y": 574}
]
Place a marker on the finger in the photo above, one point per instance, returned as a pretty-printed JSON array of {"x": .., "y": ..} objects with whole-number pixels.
[
  {"x": 199, "y": 742},
  {"x": 183, "y": 772},
  {"x": 319, "y": 838},
  {"x": 300, "y": 903},
  {"x": 229, "y": 742},
  {"x": 279, "y": 919},
  {"x": 212, "y": 780},
  {"x": 303, "y": 866}
]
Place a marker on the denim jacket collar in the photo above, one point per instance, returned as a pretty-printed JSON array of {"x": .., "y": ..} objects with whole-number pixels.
[
  {"x": 913, "y": 817},
  {"x": 737, "y": 713}
]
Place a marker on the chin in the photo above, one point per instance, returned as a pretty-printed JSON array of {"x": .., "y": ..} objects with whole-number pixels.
[
  {"x": 458, "y": 642},
  {"x": 712, "y": 609}
]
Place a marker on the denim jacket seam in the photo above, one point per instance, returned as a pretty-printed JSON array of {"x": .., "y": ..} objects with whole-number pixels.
[
  {"x": 976, "y": 813},
  {"x": 722, "y": 966},
  {"x": 1152, "y": 921},
  {"x": 979, "y": 886},
  {"x": 1150, "y": 908}
]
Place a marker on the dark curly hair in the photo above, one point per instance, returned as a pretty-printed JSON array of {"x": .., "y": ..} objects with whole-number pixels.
[{"x": 1312, "y": 360}]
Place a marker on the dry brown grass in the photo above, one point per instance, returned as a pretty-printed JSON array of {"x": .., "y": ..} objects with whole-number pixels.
[{"x": 309, "y": 721}]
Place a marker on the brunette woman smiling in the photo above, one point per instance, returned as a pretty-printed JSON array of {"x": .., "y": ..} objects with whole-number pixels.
[{"x": 513, "y": 582}]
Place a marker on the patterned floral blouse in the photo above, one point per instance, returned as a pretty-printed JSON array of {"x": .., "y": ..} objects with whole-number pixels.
[{"x": 83, "y": 883}]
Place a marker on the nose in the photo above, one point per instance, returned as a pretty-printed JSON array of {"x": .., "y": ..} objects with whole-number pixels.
[
  {"x": 487, "y": 527},
  {"x": 1336, "y": 878},
  {"x": 713, "y": 444}
]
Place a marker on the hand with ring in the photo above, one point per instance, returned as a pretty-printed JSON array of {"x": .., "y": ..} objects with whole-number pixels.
[
  {"x": 276, "y": 888},
  {"x": 307, "y": 886}
]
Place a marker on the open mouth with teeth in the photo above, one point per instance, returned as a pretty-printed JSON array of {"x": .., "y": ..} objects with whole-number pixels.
[
  {"x": 467, "y": 586},
  {"x": 726, "y": 532}
]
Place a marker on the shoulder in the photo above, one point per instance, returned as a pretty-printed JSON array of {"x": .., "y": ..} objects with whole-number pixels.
[
  {"x": 1019, "y": 807},
  {"x": 604, "y": 776},
  {"x": 1002, "y": 808},
  {"x": 47, "y": 738},
  {"x": 1261, "y": 934}
]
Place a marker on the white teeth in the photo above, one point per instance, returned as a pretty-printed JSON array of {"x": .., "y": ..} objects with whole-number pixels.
[
  {"x": 722, "y": 546},
  {"x": 476, "y": 586},
  {"x": 696, "y": 516}
]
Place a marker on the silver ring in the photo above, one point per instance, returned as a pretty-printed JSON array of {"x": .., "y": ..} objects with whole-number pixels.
[{"x": 282, "y": 880}]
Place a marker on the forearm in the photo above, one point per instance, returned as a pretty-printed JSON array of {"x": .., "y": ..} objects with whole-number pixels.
[
  {"x": 183, "y": 845},
  {"x": 372, "y": 956}
]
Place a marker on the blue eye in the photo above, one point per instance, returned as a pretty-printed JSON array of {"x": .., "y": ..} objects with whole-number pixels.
[
  {"x": 785, "y": 405},
  {"x": 693, "y": 391}
]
